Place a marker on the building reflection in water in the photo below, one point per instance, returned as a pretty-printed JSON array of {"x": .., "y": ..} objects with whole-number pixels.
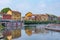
[
  {"x": 12, "y": 30},
  {"x": 34, "y": 30},
  {"x": 28, "y": 30},
  {"x": 12, "y": 33},
  {"x": 40, "y": 31},
  {"x": 16, "y": 33}
]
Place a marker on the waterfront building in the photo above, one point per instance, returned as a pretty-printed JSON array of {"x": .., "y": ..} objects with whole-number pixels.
[
  {"x": 7, "y": 17},
  {"x": 15, "y": 15},
  {"x": 52, "y": 17},
  {"x": 39, "y": 17},
  {"x": 58, "y": 18}
]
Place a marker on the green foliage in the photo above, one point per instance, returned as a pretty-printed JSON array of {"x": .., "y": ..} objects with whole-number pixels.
[
  {"x": 5, "y": 10},
  {"x": 41, "y": 22},
  {"x": 5, "y": 38},
  {"x": 1, "y": 27}
]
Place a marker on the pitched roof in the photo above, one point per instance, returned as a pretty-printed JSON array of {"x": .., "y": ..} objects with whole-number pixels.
[{"x": 16, "y": 12}]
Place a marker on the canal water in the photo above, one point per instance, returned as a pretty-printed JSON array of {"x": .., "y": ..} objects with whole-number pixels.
[{"x": 37, "y": 32}]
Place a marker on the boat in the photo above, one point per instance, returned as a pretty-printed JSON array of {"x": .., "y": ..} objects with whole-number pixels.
[{"x": 53, "y": 27}]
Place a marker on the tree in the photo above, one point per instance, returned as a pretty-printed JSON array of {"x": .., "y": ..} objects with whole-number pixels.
[
  {"x": 5, "y": 10},
  {"x": 1, "y": 28}
]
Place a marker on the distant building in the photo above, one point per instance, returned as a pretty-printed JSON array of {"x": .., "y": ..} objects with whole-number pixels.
[
  {"x": 39, "y": 17},
  {"x": 9, "y": 12},
  {"x": 11, "y": 15},
  {"x": 7, "y": 17},
  {"x": 58, "y": 18},
  {"x": 36, "y": 17},
  {"x": 15, "y": 15},
  {"x": 28, "y": 16},
  {"x": 22, "y": 18},
  {"x": 52, "y": 17}
]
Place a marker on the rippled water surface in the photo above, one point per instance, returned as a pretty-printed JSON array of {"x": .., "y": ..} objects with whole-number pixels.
[{"x": 38, "y": 33}]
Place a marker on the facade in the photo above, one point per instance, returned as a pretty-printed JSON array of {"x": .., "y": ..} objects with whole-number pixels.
[
  {"x": 9, "y": 12},
  {"x": 40, "y": 17},
  {"x": 58, "y": 18},
  {"x": 52, "y": 17},
  {"x": 37, "y": 17},
  {"x": 7, "y": 17},
  {"x": 15, "y": 15},
  {"x": 4, "y": 16},
  {"x": 22, "y": 18},
  {"x": 28, "y": 16}
]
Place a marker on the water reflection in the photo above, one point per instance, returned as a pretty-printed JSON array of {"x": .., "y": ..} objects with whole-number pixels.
[
  {"x": 16, "y": 33},
  {"x": 11, "y": 34},
  {"x": 32, "y": 32},
  {"x": 29, "y": 30},
  {"x": 37, "y": 33}
]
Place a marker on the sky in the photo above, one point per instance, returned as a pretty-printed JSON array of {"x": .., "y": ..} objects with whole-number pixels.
[{"x": 34, "y": 6}]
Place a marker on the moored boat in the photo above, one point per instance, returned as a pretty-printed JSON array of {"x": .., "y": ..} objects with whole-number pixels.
[{"x": 53, "y": 27}]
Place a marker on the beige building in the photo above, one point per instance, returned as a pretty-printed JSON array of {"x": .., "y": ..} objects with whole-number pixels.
[
  {"x": 36, "y": 17},
  {"x": 15, "y": 15},
  {"x": 40, "y": 17}
]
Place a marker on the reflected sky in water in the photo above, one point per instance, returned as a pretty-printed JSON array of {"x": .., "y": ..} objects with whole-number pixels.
[{"x": 38, "y": 34}]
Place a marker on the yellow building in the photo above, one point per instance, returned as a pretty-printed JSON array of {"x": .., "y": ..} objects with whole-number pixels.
[
  {"x": 36, "y": 17},
  {"x": 15, "y": 15},
  {"x": 28, "y": 16},
  {"x": 9, "y": 12}
]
